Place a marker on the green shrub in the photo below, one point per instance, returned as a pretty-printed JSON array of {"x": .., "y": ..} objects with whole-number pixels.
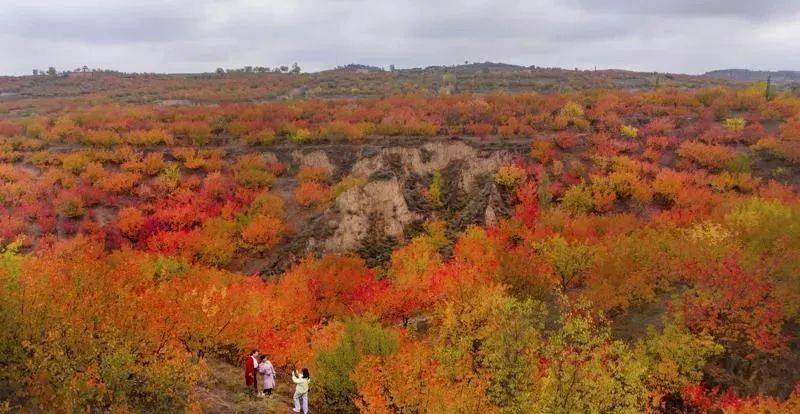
[
  {"x": 569, "y": 260},
  {"x": 300, "y": 136},
  {"x": 761, "y": 225},
  {"x": 434, "y": 191},
  {"x": 738, "y": 164},
  {"x": 509, "y": 176},
  {"x": 629, "y": 131},
  {"x": 361, "y": 337},
  {"x": 578, "y": 199},
  {"x": 734, "y": 124}
]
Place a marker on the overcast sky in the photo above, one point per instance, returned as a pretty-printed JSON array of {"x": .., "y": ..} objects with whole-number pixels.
[{"x": 690, "y": 36}]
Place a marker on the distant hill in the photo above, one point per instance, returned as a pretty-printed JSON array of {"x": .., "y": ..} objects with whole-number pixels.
[
  {"x": 746, "y": 75},
  {"x": 258, "y": 84}
]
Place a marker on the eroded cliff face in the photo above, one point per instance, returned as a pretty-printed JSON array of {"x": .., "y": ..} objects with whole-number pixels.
[
  {"x": 431, "y": 157},
  {"x": 377, "y": 206},
  {"x": 391, "y": 204}
]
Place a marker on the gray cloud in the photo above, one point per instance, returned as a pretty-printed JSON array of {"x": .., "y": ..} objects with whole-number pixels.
[
  {"x": 509, "y": 28},
  {"x": 199, "y": 35},
  {"x": 103, "y": 24},
  {"x": 744, "y": 9}
]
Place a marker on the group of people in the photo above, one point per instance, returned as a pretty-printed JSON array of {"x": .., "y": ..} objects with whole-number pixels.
[{"x": 258, "y": 363}]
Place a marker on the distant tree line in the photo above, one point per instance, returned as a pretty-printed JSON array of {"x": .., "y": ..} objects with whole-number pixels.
[
  {"x": 261, "y": 69},
  {"x": 51, "y": 71}
]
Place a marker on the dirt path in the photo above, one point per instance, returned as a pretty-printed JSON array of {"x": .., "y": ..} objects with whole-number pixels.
[
  {"x": 233, "y": 147},
  {"x": 223, "y": 391}
]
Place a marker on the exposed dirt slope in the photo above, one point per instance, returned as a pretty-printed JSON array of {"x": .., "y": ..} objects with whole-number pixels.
[{"x": 389, "y": 205}]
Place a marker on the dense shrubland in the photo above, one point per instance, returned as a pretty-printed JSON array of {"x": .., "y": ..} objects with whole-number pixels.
[
  {"x": 244, "y": 86},
  {"x": 650, "y": 261}
]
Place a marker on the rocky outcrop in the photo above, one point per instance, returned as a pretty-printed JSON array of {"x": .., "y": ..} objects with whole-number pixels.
[
  {"x": 382, "y": 205},
  {"x": 391, "y": 203},
  {"x": 376, "y": 206},
  {"x": 316, "y": 158},
  {"x": 432, "y": 157}
]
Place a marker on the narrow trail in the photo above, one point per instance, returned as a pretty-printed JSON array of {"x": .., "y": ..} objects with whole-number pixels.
[
  {"x": 233, "y": 147},
  {"x": 223, "y": 391}
]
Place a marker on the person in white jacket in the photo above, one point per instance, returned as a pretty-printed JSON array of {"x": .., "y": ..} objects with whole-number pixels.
[{"x": 301, "y": 390}]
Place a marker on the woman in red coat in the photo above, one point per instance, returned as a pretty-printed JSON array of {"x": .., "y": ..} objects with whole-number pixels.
[{"x": 250, "y": 366}]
